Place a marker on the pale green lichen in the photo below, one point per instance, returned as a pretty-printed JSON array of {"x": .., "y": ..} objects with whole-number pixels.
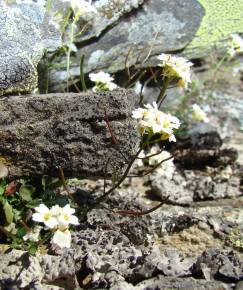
[
  {"x": 235, "y": 239},
  {"x": 221, "y": 19}
]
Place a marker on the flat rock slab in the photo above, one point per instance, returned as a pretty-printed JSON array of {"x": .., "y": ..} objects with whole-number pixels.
[
  {"x": 154, "y": 27},
  {"x": 40, "y": 133},
  {"x": 135, "y": 32}
]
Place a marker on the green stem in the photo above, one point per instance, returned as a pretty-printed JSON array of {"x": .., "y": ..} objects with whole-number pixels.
[
  {"x": 69, "y": 53},
  {"x": 219, "y": 64},
  {"x": 163, "y": 90},
  {"x": 84, "y": 88}
]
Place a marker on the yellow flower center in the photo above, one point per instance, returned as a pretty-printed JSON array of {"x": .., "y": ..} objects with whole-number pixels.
[
  {"x": 47, "y": 216},
  {"x": 66, "y": 217}
]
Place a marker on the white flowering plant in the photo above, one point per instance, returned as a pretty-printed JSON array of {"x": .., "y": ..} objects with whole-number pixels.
[
  {"x": 34, "y": 217},
  {"x": 175, "y": 69},
  {"x": 103, "y": 81},
  {"x": 39, "y": 215}
]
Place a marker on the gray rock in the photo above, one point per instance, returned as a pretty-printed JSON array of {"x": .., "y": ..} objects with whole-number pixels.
[
  {"x": 167, "y": 283},
  {"x": 106, "y": 255},
  {"x": 154, "y": 27},
  {"x": 222, "y": 264},
  {"x": 26, "y": 30},
  {"x": 60, "y": 270},
  {"x": 19, "y": 269},
  {"x": 200, "y": 146},
  {"x": 202, "y": 136},
  {"x": 68, "y": 131},
  {"x": 175, "y": 189},
  {"x": 195, "y": 185}
]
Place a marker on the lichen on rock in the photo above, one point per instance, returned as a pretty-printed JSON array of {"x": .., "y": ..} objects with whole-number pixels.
[{"x": 26, "y": 30}]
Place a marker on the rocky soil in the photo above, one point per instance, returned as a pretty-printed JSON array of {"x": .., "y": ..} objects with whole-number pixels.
[{"x": 194, "y": 241}]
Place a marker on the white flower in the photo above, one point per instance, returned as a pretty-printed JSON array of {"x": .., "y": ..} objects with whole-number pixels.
[
  {"x": 45, "y": 215},
  {"x": 56, "y": 210},
  {"x": 103, "y": 81},
  {"x": 81, "y": 7},
  {"x": 58, "y": 219},
  {"x": 62, "y": 238},
  {"x": 176, "y": 67},
  {"x": 235, "y": 44},
  {"x": 152, "y": 121},
  {"x": 167, "y": 167},
  {"x": 33, "y": 235},
  {"x": 139, "y": 113},
  {"x": 66, "y": 217},
  {"x": 198, "y": 114}
]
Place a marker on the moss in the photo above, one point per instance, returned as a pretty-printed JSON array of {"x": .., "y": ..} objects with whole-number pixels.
[{"x": 222, "y": 17}]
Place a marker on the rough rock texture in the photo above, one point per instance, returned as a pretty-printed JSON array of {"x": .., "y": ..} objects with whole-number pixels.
[
  {"x": 40, "y": 133},
  {"x": 200, "y": 148},
  {"x": 106, "y": 15},
  {"x": 156, "y": 25},
  {"x": 147, "y": 30},
  {"x": 128, "y": 33},
  {"x": 218, "y": 263},
  {"x": 109, "y": 251},
  {"x": 167, "y": 283},
  {"x": 197, "y": 185},
  {"x": 20, "y": 269},
  {"x": 25, "y": 31}
]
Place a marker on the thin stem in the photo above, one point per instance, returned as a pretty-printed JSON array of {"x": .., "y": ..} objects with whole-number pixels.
[
  {"x": 103, "y": 197},
  {"x": 148, "y": 156},
  {"x": 69, "y": 54},
  {"x": 134, "y": 213},
  {"x": 126, "y": 63},
  {"x": 139, "y": 73},
  {"x": 155, "y": 167},
  {"x": 219, "y": 64},
  {"x": 163, "y": 90},
  {"x": 62, "y": 177},
  {"x": 84, "y": 88}
]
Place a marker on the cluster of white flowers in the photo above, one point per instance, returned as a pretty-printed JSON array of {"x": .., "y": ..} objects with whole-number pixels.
[
  {"x": 176, "y": 68},
  {"x": 235, "y": 44},
  {"x": 198, "y": 114},
  {"x": 166, "y": 168},
  {"x": 81, "y": 7},
  {"x": 57, "y": 219},
  {"x": 103, "y": 81},
  {"x": 153, "y": 121}
]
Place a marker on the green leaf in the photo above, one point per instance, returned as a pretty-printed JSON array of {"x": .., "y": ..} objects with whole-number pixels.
[
  {"x": 2, "y": 186},
  {"x": 21, "y": 232},
  {"x": 26, "y": 192},
  {"x": 8, "y": 210},
  {"x": 32, "y": 249}
]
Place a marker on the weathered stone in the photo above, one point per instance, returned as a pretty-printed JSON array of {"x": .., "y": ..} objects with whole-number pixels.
[
  {"x": 226, "y": 265},
  {"x": 154, "y": 27},
  {"x": 26, "y": 29},
  {"x": 200, "y": 146},
  {"x": 19, "y": 269},
  {"x": 147, "y": 28},
  {"x": 168, "y": 283},
  {"x": 40, "y": 133}
]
